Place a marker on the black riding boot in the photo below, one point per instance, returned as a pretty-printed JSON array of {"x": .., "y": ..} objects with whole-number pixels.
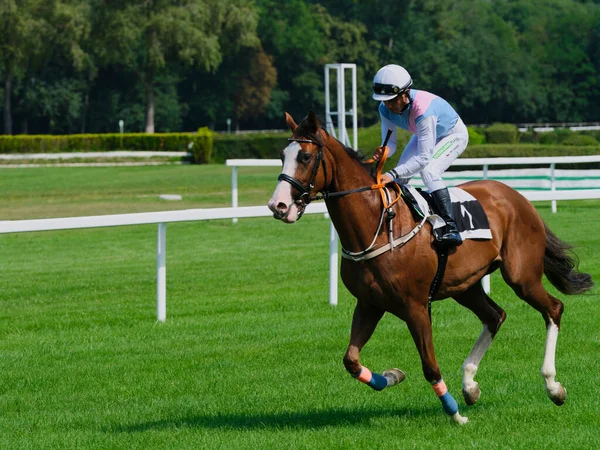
[{"x": 442, "y": 200}]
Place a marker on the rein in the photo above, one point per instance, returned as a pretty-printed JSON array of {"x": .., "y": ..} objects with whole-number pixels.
[{"x": 388, "y": 202}]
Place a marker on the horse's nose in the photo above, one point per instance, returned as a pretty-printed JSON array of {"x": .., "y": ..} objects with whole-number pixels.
[{"x": 279, "y": 209}]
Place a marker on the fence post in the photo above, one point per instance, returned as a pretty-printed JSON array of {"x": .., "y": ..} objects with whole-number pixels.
[
  {"x": 234, "y": 190},
  {"x": 161, "y": 273},
  {"x": 553, "y": 184}
]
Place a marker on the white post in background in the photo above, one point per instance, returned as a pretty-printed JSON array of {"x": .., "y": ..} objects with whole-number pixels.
[
  {"x": 354, "y": 111},
  {"x": 342, "y": 136},
  {"x": 341, "y": 107},
  {"x": 161, "y": 273},
  {"x": 553, "y": 184},
  {"x": 341, "y": 113},
  {"x": 234, "y": 191},
  {"x": 333, "y": 266}
]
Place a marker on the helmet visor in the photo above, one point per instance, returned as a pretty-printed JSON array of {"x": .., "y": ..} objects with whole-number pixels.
[{"x": 385, "y": 92}]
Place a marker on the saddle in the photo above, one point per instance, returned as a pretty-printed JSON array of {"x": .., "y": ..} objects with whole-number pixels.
[{"x": 470, "y": 217}]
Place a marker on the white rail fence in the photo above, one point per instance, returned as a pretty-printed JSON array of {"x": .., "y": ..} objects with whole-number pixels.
[{"x": 160, "y": 218}]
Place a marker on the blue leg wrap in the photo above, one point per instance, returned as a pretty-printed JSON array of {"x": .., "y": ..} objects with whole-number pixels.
[
  {"x": 448, "y": 403},
  {"x": 379, "y": 382}
]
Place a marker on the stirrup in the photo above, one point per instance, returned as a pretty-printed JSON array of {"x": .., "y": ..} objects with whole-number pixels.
[{"x": 452, "y": 238}]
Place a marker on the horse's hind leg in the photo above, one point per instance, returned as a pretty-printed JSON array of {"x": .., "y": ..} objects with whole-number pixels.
[
  {"x": 534, "y": 293},
  {"x": 365, "y": 319},
  {"x": 491, "y": 316}
]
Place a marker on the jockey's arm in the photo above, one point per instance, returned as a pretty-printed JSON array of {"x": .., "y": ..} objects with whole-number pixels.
[{"x": 426, "y": 136}]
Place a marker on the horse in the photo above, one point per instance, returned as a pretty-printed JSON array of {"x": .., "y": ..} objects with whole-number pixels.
[{"x": 522, "y": 247}]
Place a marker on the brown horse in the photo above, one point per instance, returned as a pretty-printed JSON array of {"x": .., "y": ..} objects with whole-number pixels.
[{"x": 522, "y": 247}]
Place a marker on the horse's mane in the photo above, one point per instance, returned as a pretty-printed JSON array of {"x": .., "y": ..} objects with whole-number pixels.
[{"x": 305, "y": 130}]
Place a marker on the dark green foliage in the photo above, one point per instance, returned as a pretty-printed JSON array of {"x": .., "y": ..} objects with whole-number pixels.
[
  {"x": 501, "y": 133},
  {"x": 72, "y": 66}
]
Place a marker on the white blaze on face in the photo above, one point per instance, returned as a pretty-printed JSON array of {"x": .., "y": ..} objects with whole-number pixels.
[{"x": 283, "y": 191}]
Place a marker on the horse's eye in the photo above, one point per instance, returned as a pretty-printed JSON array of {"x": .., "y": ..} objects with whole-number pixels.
[{"x": 304, "y": 157}]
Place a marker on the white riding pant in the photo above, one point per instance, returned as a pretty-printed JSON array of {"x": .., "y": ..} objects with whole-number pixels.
[{"x": 446, "y": 150}]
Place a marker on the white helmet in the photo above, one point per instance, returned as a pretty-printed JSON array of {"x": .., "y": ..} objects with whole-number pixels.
[{"x": 390, "y": 81}]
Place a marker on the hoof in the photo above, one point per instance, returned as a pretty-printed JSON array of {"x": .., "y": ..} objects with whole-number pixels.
[
  {"x": 471, "y": 395},
  {"x": 457, "y": 418},
  {"x": 559, "y": 397},
  {"x": 393, "y": 376}
]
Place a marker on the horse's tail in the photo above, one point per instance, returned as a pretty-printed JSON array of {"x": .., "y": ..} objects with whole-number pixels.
[{"x": 560, "y": 267}]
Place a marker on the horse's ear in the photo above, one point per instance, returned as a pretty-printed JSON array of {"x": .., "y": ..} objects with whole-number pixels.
[
  {"x": 290, "y": 122},
  {"x": 313, "y": 121}
]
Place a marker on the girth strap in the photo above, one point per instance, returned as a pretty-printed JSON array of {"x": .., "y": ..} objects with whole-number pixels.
[{"x": 442, "y": 253}]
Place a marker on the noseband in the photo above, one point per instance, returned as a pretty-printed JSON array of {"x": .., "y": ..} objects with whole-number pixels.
[{"x": 305, "y": 197}]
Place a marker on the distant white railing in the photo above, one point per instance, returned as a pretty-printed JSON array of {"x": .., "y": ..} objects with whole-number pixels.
[{"x": 550, "y": 161}]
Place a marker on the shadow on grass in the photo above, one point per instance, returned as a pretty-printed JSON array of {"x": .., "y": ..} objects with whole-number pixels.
[{"x": 297, "y": 420}]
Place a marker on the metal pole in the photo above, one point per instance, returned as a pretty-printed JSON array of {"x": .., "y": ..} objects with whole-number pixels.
[
  {"x": 341, "y": 108},
  {"x": 333, "y": 266},
  {"x": 234, "y": 190},
  {"x": 328, "y": 121},
  {"x": 161, "y": 273},
  {"x": 354, "y": 109},
  {"x": 553, "y": 184}
]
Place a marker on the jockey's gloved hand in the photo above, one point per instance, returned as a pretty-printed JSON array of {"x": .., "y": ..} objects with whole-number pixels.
[{"x": 378, "y": 153}]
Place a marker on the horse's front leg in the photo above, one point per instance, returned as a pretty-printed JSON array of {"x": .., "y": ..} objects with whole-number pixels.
[
  {"x": 365, "y": 319},
  {"x": 419, "y": 324}
]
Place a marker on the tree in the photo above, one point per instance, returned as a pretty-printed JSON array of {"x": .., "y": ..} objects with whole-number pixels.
[
  {"x": 152, "y": 37},
  {"x": 25, "y": 34},
  {"x": 254, "y": 85}
]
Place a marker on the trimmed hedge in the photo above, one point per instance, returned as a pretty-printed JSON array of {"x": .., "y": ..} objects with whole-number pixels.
[
  {"x": 255, "y": 146},
  {"x": 206, "y": 146},
  {"x": 534, "y": 150},
  {"x": 501, "y": 133},
  {"x": 475, "y": 137},
  {"x": 530, "y": 150},
  {"x": 198, "y": 143},
  {"x": 580, "y": 139}
]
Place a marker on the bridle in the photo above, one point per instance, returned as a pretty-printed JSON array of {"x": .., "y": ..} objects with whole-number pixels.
[{"x": 305, "y": 197}]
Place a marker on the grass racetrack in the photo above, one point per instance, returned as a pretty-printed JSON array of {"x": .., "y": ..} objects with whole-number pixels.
[{"x": 250, "y": 355}]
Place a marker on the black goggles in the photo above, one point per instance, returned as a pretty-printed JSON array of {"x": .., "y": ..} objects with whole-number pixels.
[{"x": 388, "y": 89}]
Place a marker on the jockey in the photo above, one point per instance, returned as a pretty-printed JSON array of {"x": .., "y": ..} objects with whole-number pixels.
[{"x": 439, "y": 137}]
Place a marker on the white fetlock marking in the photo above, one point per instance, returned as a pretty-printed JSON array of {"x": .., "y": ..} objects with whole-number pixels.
[
  {"x": 471, "y": 364},
  {"x": 460, "y": 419},
  {"x": 469, "y": 372},
  {"x": 548, "y": 368}
]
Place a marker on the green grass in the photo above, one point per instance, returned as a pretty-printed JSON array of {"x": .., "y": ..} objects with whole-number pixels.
[{"x": 250, "y": 355}]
